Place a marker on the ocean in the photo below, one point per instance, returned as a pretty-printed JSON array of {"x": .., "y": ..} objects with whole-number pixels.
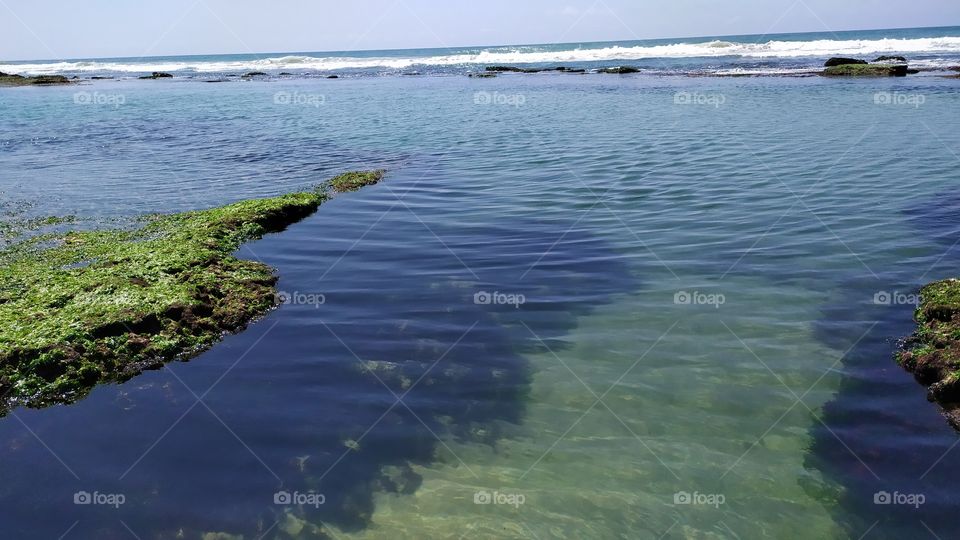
[
  {"x": 774, "y": 54},
  {"x": 656, "y": 305}
]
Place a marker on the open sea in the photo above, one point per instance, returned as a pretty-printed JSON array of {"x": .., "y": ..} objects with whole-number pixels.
[{"x": 584, "y": 306}]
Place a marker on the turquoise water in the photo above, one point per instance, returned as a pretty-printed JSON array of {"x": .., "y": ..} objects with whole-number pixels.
[{"x": 687, "y": 272}]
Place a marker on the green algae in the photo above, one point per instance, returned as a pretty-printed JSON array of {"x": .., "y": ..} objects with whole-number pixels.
[
  {"x": 933, "y": 352},
  {"x": 867, "y": 70},
  {"x": 352, "y": 181},
  {"x": 7, "y": 79},
  {"x": 81, "y": 308}
]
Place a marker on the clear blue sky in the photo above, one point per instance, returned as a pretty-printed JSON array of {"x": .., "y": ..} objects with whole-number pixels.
[{"x": 35, "y": 29}]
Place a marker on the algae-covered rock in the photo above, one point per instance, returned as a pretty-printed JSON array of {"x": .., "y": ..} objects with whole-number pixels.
[
  {"x": 353, "y": 181},
  {"x": 867, "y": 70},
  {"x": 932, "y": 354},
  {"x": 42, "y": 80},
  {"x": 84, "y": 307}
]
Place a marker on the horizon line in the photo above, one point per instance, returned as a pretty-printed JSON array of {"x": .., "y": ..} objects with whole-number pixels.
[{"x": 331, "y": 51}]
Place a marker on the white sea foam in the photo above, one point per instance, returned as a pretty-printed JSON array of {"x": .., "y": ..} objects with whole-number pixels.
[{"x": 522, "y": 55}]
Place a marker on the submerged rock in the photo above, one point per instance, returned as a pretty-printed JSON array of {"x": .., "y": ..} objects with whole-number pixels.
[
  {"x": 255, "y": 74},
  {"x": 621, "y": 70},
  {"x": 333, "y": 76},
  {"x": 841, "y": 61},
  {"x": 867, "y": 70},
  {"x": 890, "y": 59},
  {"x": 483, "y": 75},
  {"x": 157, "y": 75}
]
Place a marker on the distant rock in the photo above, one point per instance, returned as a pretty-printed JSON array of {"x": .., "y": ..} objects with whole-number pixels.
[
  {"x": 49, "y": 79},
  {"x": 483, "y": 75},
  {"x": 255, "y": 74},
  {"x": 621, "y": 70},
  {"x": 888, "y": 59},
  {"x": 867, "y": 70},
  {"x": 840, "y": 61},
  {"x": 7, "y": 79},
  {"x": 100, "y": 78},
  {"x": 157, "y": 75},
  {"x": 507, "y": 69},
  {"x": 285, "y": 74},
  {"x": 333, "y": 76}
]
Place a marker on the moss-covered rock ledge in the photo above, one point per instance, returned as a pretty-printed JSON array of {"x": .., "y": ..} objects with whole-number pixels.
[
  {"x": 99, "y": 306},
  {"x": 932, "y": 354}
]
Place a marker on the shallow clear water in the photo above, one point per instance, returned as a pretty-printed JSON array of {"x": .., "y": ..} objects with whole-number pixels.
[{"x": 779, "y": 207}]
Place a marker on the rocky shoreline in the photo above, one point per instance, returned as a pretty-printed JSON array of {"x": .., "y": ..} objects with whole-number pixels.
[
  {"x": 836, "y": 67},
  {"x": 932, "y": 353},
  {"x": 83, "y": 308}
]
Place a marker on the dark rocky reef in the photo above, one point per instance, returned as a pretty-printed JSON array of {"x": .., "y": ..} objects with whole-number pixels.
[
  {"x": 7, "y": 79},
  {"x": 841, "y": 61},
  {"x": 514, "y": 69},
  {"x": 620, "y": 70},
  {"x": 157, "y": 75}
]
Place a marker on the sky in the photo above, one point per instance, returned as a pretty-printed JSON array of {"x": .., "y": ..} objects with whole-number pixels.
[{"x": 61, "y": 29}]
